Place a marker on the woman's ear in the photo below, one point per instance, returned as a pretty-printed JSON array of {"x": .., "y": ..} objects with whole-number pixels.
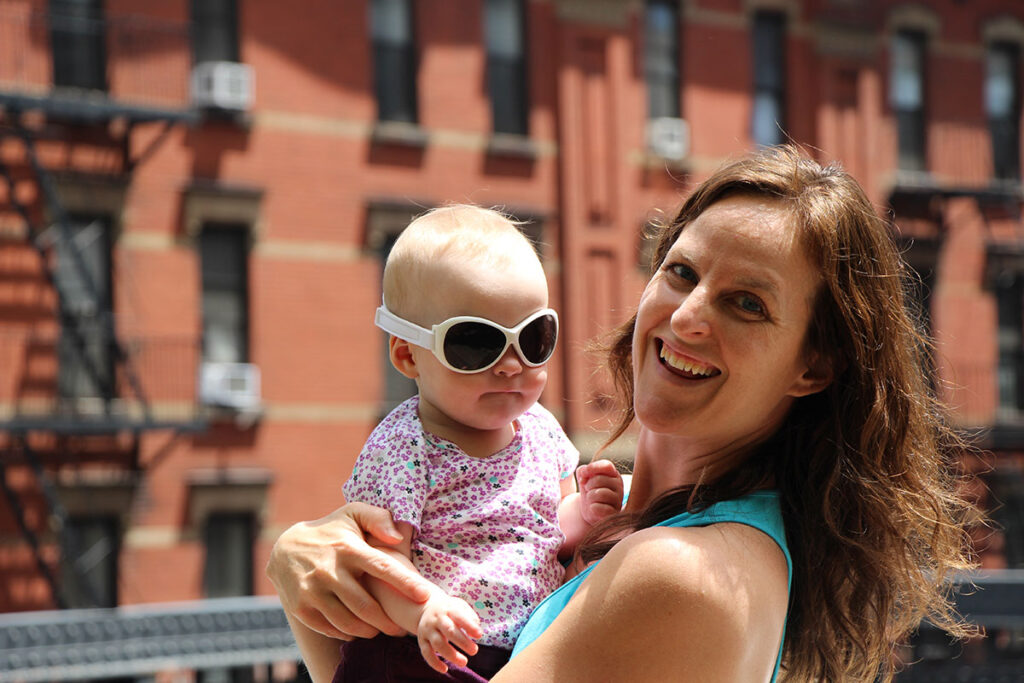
[
  {"x": 400, "y": 352},
  {"x": 818, "y": 375}
]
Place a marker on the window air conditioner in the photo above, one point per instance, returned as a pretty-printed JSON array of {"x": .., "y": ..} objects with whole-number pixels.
[
  {"x": 229, "y": 385},
  {"x": 668, "y": 137},
  {"x": 222, "y": 85}
]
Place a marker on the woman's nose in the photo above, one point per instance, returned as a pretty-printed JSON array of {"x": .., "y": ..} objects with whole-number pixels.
[
  {"x": 691, "y": 319},
  {"x": 509, "y": 364}
]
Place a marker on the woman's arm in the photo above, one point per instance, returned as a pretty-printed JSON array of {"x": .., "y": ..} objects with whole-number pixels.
[
  {"x": 697, "y": 604},
  {"x": 317, "y": 568}
]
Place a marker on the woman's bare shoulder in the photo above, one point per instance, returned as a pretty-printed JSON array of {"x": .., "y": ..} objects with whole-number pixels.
[{"x": 698, "y": 603}]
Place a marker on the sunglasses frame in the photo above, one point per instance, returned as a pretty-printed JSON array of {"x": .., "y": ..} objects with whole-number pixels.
[{"x": 433, "y": 339}]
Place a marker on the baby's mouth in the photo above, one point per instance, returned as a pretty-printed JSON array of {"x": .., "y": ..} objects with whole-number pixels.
[{"x": 685, "y": 366}]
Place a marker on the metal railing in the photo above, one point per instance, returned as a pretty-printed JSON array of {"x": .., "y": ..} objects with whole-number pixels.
[
  {"x": 79, "y": 63},
  {"x": 46, "y": 387},
  {"x": 143, "y": 639}
]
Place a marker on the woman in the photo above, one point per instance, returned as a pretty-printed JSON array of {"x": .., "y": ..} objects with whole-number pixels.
[{"x": 777, "y": 381}]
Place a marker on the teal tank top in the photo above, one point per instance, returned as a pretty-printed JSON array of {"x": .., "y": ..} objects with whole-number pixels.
[{"x": 759, "y": 509}]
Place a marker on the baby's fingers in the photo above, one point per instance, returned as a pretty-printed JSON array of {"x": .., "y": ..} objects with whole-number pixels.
[
  {"x": 441, "y": 642},
  {"x": 432, "y": 660},
  {"x": 465, "y": 619}
]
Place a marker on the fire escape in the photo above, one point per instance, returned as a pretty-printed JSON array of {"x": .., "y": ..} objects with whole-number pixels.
[{"x": 79, "y": 388}]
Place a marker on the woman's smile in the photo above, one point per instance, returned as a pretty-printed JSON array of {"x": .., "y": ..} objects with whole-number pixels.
[{"x": 686, "y": 366}]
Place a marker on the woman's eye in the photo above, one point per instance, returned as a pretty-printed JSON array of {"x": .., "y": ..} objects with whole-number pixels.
[
  {"x": 683, "y": 272},
  {"x": 750, "y": 304}
]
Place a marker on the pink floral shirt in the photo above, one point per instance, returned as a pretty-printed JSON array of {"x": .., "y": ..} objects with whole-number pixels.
[{"x": 486, "y": 529}]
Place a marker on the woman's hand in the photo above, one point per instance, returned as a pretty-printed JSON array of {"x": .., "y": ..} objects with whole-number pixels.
[{"x": 317, "y": 568}]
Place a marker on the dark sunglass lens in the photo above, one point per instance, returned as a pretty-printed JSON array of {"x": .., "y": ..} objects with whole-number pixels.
[
  {"x": 537, "y": 340},
  {"x": 471, "y": 346}
]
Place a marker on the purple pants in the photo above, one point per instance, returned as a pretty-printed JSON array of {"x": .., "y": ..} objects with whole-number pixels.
[{"x": 386, "y": 659}]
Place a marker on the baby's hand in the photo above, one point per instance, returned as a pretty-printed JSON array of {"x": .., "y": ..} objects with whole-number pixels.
[
  {"x": 601, "y": 488},
  {"x": 444, "y": 622}
]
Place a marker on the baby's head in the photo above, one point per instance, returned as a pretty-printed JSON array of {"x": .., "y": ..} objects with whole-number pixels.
[
  {"x": 438, "y": 253},
  {"x": 467, "y": 261}
]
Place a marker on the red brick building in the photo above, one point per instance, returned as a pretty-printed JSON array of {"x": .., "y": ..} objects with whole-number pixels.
[{"x": 198, "y": 196}]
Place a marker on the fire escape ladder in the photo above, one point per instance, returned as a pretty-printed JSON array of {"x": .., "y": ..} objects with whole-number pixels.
[
  {"x": 18, "y": 511},
  {"x": 69, "y": 319},
  {"x": 70, "y": 546}
]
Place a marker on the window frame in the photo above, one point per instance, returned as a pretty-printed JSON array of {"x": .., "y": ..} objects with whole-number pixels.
[
  {"x": 508, "y": 83},
  {"x": 209, "y": 32},
  {"x": 397, "y": 99},
  {"x": 240, "y": 287},
  {"x": 77, "y": 28},
  {"x": 910, "y": 121},
  {"x": 75, "y": 380},
  {"x": 768, "y": 49},
  {"x": 1005, "y": 131},
  {"x": 662, "y": 63}
]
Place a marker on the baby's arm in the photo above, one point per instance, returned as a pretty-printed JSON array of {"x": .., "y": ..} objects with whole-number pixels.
[
  {"x": 600, "y": 496},
  {"x": 439, "y": 623}
]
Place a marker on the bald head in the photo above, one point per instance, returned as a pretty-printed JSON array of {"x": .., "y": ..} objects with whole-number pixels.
[{"x": 445, "y": 240}]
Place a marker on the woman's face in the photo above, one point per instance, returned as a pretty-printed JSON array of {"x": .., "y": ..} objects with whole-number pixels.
[{"x": 718, "y": 349}]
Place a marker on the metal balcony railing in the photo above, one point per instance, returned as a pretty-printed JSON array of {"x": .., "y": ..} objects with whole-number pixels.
[
  {"x": 94, "y": 67},
  {"x": 47, "y": 385},
  {"x": 143, "y": 639}
]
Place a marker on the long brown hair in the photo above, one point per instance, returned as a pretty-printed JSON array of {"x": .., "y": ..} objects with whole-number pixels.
[{"x": 866, "y": 469}]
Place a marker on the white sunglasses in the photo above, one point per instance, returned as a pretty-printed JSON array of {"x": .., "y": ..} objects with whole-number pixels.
[{"x": 468, "y": 344}]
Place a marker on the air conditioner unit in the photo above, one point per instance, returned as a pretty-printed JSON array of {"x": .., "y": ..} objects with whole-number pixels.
[
  {"x": 668, "y": 137},
  {"x": 230, "y": 385},
  {"x": 222, "y": 85}
]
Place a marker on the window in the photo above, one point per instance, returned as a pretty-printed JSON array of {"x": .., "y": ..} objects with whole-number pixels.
[
  {"x": 89, "y": 571},
  {"x": 385, "y": 222},
  {"x": 82, "y": 273},
  {"x": 394, "y": 60},
  {"x": 506, "y": 65},
  {"x": 661, "y": 58},
  {"x": 906, "y": 95},
  {"x": 1002, "y": 106},
  {"x": 225, "y": 282},
  {"x": 78, "y": 39},
  {"x": 215, "y": 31},
  {"x": 228, "y": 572},
  {"x": 768, "y": 121},
  {"x": 1006, "y": 485},
  {"x": 1009, "y": 290},
  {"x": 228, "y": 539}
]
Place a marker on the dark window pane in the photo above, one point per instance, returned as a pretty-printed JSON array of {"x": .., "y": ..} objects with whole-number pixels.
[
  {"x": 768, "y": 117},
  {"x": 228, "y": 570},
  {"x": 506, "y": 72},
  {"x": 1002, "y": 105},
  {"x": 82, "y": 273},
  {"x": 1007, "y": 487},
  {"x": 215, "y": 31},
  {"x": 78, "y": 39},
  {"x": 1010, "y": 310},
  {"x": 661, "y": 59},
  {"x": 394, "y": 67},
  {"x": 93, "y": 544},
  {"x": 907, "y": 97},
  {"x": 397, "y": 387},
  {"x": 225, "y": 284}
]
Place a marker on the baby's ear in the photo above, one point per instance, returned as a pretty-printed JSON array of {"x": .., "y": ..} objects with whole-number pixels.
[{"x": 400, "y": 352}]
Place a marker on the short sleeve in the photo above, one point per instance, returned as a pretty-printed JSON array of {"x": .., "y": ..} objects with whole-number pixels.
[{"x": 391, "y": 473}]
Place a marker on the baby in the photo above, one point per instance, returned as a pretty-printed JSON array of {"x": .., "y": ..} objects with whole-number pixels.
[{"x": 477, "y": 475}]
